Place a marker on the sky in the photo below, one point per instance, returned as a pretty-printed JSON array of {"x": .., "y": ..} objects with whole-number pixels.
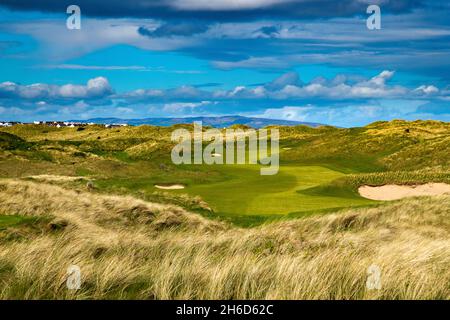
[{"x": 304, "y": 60}]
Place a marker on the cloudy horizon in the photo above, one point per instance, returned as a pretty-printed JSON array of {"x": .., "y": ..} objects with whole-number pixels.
[{"x": 291, "y": 59}]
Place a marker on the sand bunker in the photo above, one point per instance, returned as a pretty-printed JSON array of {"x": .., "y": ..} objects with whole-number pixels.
[
  {"x": 170, "y": 187},
  {"x": 395, "y": 192},
  {"x": 216, "y": 155},
  {"x": 55, "y": 178}
]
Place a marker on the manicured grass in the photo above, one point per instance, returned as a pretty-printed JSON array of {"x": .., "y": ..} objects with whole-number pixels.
[
  {"x": 238, "y": 191},
  {"x": 248, "y": 193}
]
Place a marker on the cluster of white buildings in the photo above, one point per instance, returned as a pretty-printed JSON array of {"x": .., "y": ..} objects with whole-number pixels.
[
  {"x": 8, "y": 123},
  {"x": 60, "y": 124}
]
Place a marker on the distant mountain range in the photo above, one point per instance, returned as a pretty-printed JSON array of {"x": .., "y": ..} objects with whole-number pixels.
[{"x": 217, "y": 122}]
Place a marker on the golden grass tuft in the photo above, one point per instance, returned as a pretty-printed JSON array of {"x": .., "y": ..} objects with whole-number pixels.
[{"x": 128, "y": 248}]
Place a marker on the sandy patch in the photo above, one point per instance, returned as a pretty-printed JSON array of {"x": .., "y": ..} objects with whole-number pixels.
[
  {"x": 395, "y": 192},
  {"x": 56, "y": 178},
  {"x": 170, "y": 187}
]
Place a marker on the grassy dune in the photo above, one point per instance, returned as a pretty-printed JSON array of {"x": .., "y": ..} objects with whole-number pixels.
[
  {"x": 319, "y": 166},
  {"x": 381, "y": 145},
  {"x": 230, "y": 234},
  {"x": 128, "y": 248}
]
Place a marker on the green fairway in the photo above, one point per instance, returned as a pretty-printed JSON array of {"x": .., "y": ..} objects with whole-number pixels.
[
  {"x": 240, "y": 190},
  {"x": 246, "y": 192}
]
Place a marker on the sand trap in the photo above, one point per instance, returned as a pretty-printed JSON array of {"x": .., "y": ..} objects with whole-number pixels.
[
  {"x": 170, "y": 187},
  {"x": 287, "y": 148},
  {"x": 395, "y": 192},
  {"x": 56, "y": 178},
  {"x": 216, "y": 155}
]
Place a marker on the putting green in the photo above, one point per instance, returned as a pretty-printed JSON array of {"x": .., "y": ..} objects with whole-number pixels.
[{"x": 247, "y": 192}]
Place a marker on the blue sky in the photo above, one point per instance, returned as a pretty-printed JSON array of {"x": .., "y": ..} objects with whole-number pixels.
[{"x": 287, "y": 59}]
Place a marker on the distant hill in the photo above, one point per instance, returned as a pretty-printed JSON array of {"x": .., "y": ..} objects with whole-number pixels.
[{"x": 218, "y": 122}]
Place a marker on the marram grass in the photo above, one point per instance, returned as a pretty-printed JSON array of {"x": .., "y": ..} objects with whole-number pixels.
[{"x": 128, "y": 248}]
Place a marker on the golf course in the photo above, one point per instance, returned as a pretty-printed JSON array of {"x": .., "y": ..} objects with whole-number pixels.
[
  {"x": 135, "y": 160},
  {"x": 111, "y": 201}
]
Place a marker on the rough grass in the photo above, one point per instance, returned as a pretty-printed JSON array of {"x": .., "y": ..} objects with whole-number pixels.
[
  {"x": 381, "y": 146},
  {"x": 347, "y": 186},
  {"x": 396, "y": 145},
  {"x": 129, "y": 248},
  {"x": 131, "y": 160},
  {"x": 397, "y": 177}
]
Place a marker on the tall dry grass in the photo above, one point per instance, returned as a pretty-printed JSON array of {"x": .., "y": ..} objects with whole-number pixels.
[{"x": 128, "y": 248}]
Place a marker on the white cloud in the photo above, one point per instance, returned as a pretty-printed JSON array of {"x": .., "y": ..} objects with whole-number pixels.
[
  {"x": 380, "y": 80},
  {"x": 86, "y": 67},
  {"x": 122, "y": 110},
  {"x": 98, "y": 87},
  {"x": 95, "y": 88},
  {"x": 220, "y": 5},
  {"x": 289, "y": 78},
  {"x": 12, "y": 111},
  {"x": 375, "y": 87},
  {"x": 181, "y": 106},
  {"x": 81, "y": 105},
  {"x": 348, "y": 35},
  {"x": 254, "y": 62},
  {"x": 333, "y": 32},
  {"x": 347, "y": 116},
  {"x": 285, "y": 87},
  {"x": 59, "y": 43},
  {"x": 427, "y": 89}
]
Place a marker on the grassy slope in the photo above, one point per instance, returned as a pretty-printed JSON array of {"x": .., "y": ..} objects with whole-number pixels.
[
  {"x": 133, "y": 249},
  {"x": 133, "y": 159},
  {"x": 378, "y": 147}
]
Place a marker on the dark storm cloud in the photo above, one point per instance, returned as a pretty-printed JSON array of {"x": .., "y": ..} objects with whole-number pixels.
[{"x": 221, "y": 10}]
